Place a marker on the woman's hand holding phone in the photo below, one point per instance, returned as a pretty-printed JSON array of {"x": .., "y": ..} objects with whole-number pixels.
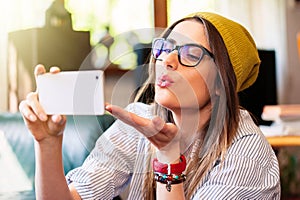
[{"x": 38, "y": 122}]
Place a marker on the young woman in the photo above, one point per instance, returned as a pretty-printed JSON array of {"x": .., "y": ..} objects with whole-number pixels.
[{"x": 188, "y": 139}]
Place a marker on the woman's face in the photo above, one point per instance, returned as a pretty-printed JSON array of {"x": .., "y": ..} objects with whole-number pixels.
[{"x": 181, "y": 87}]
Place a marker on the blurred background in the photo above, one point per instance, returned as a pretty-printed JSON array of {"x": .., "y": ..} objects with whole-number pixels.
[
  {"x": 63, "y": 32},
  {"x": 115, "y": 35}
]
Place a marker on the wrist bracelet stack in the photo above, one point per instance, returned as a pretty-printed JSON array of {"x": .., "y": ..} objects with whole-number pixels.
[{"x": 169, "y": 174}]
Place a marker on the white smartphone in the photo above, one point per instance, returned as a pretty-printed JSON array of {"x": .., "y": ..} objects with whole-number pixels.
[{"x": 72, "y": 92}]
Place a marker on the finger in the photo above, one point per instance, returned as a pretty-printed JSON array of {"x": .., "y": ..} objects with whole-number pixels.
[
  {"x": 54, "y": 70},
  {"x": 58, "y": 119},
  {"x": 170, "y": 129},
  {"x": 166, "y": 133},
  {"x": 147, "y": 127},
  {"x": 57, "y": 124},
  {"x": 170, "y": 133},
  {"x": 38, "y": 70},
  {"x": 163, "y": 127},
  {"x": 158, "y": 123},
  {"x": 32, "y": 101},
  {"x": 143, "y": 125},
  {"x": 127, "y": 117},
  {"x": 27, "y": 112}
]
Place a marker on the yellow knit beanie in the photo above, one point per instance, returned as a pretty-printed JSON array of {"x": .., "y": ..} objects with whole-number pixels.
[{"x": 241, "y": 48}]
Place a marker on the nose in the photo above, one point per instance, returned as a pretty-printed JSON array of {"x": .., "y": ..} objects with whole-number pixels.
[{"x": 170, "y": 61}]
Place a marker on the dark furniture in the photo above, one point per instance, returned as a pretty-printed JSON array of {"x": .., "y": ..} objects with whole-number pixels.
[{"x": 264, "y": 90}]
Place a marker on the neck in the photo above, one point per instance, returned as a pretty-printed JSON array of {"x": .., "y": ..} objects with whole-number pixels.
[
  {"x": 190, "y": 123},
  {"x": 192, "y": 120}
]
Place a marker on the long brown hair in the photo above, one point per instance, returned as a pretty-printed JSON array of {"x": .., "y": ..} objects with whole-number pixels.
[{"x": 222, "y": 126}]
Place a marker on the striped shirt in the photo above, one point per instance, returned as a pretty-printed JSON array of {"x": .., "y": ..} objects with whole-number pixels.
[{"x": 119, "y": 160}]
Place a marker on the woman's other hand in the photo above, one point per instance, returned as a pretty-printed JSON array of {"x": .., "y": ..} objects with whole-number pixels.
[
  {"x": 164, "y": 136},
  {"x": 40, "y": 125}
]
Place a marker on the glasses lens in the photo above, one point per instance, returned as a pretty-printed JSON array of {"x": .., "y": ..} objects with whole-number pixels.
[
  {"x": 190, "y": 55},
  {"x": 161, "y": 45},
  {"x": 157, "y": 47}
]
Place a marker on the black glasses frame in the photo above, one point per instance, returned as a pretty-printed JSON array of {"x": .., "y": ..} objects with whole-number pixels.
[{"x": 178, "y": 47}]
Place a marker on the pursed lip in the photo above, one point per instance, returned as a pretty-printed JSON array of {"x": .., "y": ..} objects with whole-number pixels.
[{"x": 164, "y": 81}]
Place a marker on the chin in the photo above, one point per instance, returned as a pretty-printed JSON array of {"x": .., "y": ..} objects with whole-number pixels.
[{"x": 166, "y": 100}]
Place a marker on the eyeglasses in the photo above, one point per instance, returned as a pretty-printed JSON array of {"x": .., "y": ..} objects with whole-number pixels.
[{"x": 189, "y": 55}]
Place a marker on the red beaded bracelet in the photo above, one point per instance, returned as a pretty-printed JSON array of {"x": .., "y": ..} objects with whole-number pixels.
[{"x": 177, "y": 168}]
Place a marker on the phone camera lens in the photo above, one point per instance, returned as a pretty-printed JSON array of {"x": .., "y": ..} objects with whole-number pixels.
[{"x": 97, "y": 77}]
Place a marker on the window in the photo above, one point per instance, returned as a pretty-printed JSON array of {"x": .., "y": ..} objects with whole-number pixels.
[{"x": 127, "y": 26}]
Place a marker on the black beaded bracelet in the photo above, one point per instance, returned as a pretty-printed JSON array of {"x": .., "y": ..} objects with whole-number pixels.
[{"x": 169, "y": 179}]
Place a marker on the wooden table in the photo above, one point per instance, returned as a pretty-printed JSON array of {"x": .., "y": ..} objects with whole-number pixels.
[{"x": 284, "y": 141}]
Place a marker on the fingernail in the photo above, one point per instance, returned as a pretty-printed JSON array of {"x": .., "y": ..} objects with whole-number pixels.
[
  {"x": 32, "y": 117},
  {"x": 57, "y": 119},
  {"x": 108, "y": 107},
  {"x": 43, "y": 117},
  {"x": 157, "y": 121}
]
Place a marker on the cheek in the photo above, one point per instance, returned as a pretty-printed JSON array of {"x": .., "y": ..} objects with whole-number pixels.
[
  {"x": 197, "y": 88},
  {"x": 159, "y": 69},
  {"x": 202, "y": 94},
  {"x": 195, "y": 92},
  {"x": 207, "y": 77}
]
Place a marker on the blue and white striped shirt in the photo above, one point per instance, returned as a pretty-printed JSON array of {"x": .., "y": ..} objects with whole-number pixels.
[{"x": 250, "y": 169}]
